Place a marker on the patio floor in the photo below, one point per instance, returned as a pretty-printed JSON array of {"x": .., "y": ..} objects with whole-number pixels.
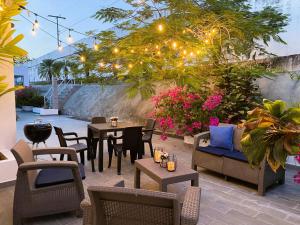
[{"x": 222, "y": 202}]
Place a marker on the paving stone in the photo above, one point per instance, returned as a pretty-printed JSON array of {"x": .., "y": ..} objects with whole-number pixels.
[{"x": 272, "y": 220}]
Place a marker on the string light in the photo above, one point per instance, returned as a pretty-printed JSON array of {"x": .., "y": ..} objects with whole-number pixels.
[
  {"x": 183, "y": 31},
  {"x": 141, "y": 62},
  {"x": 117, "y": 66},
  {"x": 174, "y": 44},
  {"x": 146, "y": 49},
  {"x": 36, "y": 22},
  {"x": 70, "y": 38},
  {"x": 116, "y": 50},
  {"x": 158, "y": 53},
  {"x": 198, "y": 52},
  {"x": 96, "y": 46},
  {"x": 184, "y": 52},
  {"x": 157, "y": 47},
  {"x": 60, "y": 47},
  {"x": 160, "y": 27},
  {"x": 101, "y": 64},
  {"x": 132, "y": 51},
  {"x": 206, "y": 41},
  {"x": 82, "y": 58},
  {"x": 192, "y": 54},
  {"x": 1, "y": 7},
  {"x": 130, "y": 65},
  {"x": 33, "y": 32}
]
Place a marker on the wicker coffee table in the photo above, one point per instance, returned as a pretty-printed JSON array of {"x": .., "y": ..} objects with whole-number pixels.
[{"x": 162, "y": 176}]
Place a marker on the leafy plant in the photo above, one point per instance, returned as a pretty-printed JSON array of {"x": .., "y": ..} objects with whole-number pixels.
[
  {"x": 50, "y": 68},
  {"x": 29, "y": 96},
  {"x": 240, "y": 90},
  {"x": 272, "y": 133},
  {"x": 8, "y": 48},
  {"x": 185, "y": 111}
]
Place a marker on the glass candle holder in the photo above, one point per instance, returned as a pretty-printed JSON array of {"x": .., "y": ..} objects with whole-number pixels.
[
  {"x": 172, "y": 163},
  {"x": 114, "y": 121},
  {"x": 157, "y": 154},
  {"x": 164, "y": 159}
]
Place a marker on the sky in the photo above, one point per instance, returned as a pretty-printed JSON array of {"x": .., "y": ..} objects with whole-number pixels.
[
  {"x": 79, "y": 12},
  {"x": 78, "y": 16}
]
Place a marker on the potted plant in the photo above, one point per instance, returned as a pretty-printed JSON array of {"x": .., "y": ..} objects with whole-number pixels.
[
  {"x": 185, "y": 111},
  {"x": 272, "y": 133},
  {"x": 28, "y": 98}
]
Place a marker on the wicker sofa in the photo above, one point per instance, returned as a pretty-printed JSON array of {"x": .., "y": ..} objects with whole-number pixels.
[{"x": 234, "y": 164}]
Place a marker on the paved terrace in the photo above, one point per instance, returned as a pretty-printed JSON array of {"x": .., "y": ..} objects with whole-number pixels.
[{"x": 222, "y": 202}]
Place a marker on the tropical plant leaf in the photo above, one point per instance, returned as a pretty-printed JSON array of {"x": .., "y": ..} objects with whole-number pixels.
[
  {"x": 276, "y": 108},
  {"x": 292, "y": 114}
]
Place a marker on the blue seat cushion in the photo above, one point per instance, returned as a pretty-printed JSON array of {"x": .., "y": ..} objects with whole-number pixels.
[
  {"x": 55, "y": 176},
  {"x": 237, "y": 155},
  {"x": 221, "y": 137},
  {"x": 213, "y": 150}
]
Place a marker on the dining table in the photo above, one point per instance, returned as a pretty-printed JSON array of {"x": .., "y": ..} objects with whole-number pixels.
[{"x": 100, "y": 130}]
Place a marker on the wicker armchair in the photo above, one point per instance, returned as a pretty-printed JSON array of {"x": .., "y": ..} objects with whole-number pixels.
[
  {"x": 30, "y": 201},
  {"x": 125, "y": 206}
]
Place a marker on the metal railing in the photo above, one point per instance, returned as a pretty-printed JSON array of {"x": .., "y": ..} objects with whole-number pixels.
[{"x": 60, "y": 88}]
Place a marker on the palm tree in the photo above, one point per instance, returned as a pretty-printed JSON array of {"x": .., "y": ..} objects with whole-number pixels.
[{"x": 50, "y": 68}]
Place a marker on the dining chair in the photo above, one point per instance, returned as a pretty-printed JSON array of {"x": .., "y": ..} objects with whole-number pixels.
[
  {"x": 79, "y": 146},
  {"x": 148, "y": 132},
  {"x": 131, "y": 140},
  {"x": 46, "y": 187}
]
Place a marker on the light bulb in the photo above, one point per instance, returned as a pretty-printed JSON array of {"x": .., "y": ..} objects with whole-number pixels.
[
  {"x": 1, "y": 7},
  {"x": 116, "y": 50},
  {"x": 96, "y": 47},
  {"x": 157, "y": 47},
  {"x": 160, "y": 27},
  {"x": 82, "y": 58},
  {"x": 33, "y": 32},
  {"x": 117, "y": 66},
  {"x": 36, "y": 24},
  {"x": 101, "y": 64},
  {"x": 174, "y": 44},
  {"x": 132, "y": 51},
  {"x": 198, "y": 52},
  {"x": 130, "y": 65},
  {"x": 146, "y": 49},
  {"x": 70, "y": 39},
  {"x": 141, "y": 62},
  {"x": 192, "y": 54},
  {"x": 184, "y": 52},
  {"x": 158, "y": 53},
  {"x": 60, "y": 47},
  {"x": 213, "y": 31},
  {"x": 206, "y": 41},
  {"x": 183, "y": 31}
]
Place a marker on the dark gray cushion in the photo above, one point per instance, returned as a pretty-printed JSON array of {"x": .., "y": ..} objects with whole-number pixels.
[
  {"x": 213, "y": 150},
  {"x": 55, "y": 176},
  {"x": 237, "y": 155}
]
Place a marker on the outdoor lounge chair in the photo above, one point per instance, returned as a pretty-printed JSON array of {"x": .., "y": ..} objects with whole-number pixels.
[
  {"x": 79, "y": 147},
  {"x": 131, "y": 140},
  {"x": 148, "y": 132},
  {"x": 56, "y": 188},
  {"x": 126, "y": 206}
]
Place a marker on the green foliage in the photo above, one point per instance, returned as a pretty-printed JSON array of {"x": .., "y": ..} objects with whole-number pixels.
[
  {"x": 8, "y": 48},
  {"x": 240, "y": 90},
  {"x": 50, "y": 68},
  {"x": 206, "y": 34},
  {"x": 272, "y": 133},
  {"x": 29, "y": 97}
]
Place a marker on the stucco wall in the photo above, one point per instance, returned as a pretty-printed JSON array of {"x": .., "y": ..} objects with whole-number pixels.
[{"x": 7, "y": 111}]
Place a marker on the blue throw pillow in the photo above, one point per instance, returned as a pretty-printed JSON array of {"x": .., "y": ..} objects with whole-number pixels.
[{"x": 221, "y": 137}]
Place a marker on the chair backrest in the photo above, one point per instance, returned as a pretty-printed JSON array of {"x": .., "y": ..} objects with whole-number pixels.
[
  {"x": 132, "y": 138},
  {"x": 98, "y": 119},
  {"x": 23, "y": 153},
  {"x": 122, "y": 206},
  {"x": 150, "y": 124},
  {"x": 60, "y": 135}
]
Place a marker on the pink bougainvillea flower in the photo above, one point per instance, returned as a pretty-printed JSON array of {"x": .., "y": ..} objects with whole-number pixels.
[
  {"x": 297, "y": 178},
  {"x": 189, "y": 129},
  {"x": 196, "y": 125},
  {"x": 297, "y": 157},
  {"x": 179, "y": 132},
  {"x": 212, "y": 102},
  {"x": 187, "y": 105},
  {"x": 214, "y": 121},
  {"x": 163, "y": 137}
]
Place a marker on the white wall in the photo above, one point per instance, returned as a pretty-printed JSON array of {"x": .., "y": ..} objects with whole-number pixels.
[{"x": 7, "y": 111}]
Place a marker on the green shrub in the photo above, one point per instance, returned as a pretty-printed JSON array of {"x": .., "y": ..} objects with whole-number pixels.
[{"x": 29, "y": 96}]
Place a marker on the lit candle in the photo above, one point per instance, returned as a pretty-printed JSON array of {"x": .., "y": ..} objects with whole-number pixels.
[
  {"x": 157, "y": 156},
  {"x": 171, "y": 166}
]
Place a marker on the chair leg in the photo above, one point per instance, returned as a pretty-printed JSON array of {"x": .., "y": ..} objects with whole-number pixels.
[
  {"x": 94, "y": 146},
  {"x": 119, "y": 162},
  {"x": 124, "y": 153},
  {"x": 151, "y": 148},
  {"x": 82, "y": 157},
  {"x": 62, "y": 157},
  {"x": 110, "y": 154}
]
